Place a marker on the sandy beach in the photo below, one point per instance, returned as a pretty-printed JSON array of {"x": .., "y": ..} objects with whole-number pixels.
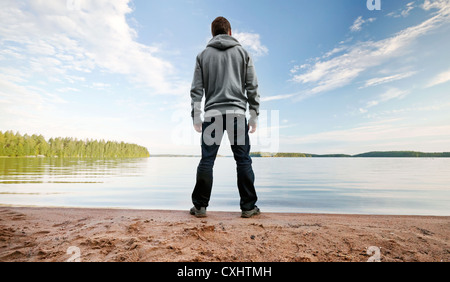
[{"x": 98, "y": 235}]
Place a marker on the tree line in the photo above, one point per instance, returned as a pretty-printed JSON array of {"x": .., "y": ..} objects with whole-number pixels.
[
  {"x": 389, "y": 154},
  {"x": 15, "y": 145},
  {"x": 403, "y": 154}
]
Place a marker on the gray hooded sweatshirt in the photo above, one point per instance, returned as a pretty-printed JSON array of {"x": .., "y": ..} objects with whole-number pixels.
[{"x": 225, "y": 74}]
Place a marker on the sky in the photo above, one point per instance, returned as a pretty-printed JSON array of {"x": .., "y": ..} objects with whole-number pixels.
[{"x": 334, "y": 76}]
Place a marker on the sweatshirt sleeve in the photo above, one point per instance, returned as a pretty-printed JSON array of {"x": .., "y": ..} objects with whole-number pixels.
[
  {"x": 251, "y": 85},
  {"x": 197, "y": 92}
]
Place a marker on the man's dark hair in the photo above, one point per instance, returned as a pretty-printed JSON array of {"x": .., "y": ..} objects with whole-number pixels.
[{"x": 220, "y": 26}]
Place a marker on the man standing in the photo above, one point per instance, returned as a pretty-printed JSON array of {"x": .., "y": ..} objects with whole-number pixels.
[{"x": 225, "y": 75}]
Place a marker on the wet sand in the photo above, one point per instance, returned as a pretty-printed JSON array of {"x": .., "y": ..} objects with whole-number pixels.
[{"x": 46, "y": 234}]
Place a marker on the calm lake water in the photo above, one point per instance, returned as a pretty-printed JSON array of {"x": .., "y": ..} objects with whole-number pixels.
[{"x": 307, "y": 185}]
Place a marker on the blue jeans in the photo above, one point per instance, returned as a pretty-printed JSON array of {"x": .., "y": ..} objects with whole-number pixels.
[{"x": 237, "y": 131}]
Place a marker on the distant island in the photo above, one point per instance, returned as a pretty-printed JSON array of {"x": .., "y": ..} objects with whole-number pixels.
[
  {"x": 15, "y": 145},
  {"x": 388, "y": 154}
]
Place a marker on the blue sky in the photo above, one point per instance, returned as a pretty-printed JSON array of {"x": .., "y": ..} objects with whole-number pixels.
[{"x": 335, "y": 77}]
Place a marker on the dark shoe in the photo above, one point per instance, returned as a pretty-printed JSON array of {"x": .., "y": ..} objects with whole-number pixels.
[
  {"x": 250, "y": 213},
  {"x": 198, "y": 212}
]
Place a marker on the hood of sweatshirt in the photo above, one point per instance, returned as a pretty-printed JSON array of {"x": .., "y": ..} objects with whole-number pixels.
[{"x": 223, "y": 42}]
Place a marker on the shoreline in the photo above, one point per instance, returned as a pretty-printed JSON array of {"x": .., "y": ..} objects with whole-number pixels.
[
  {"x": 214, "y": 211},
  {"x": 106, "y": 234}
]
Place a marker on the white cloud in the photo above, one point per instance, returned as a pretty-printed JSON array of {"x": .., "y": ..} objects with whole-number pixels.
[
  {"x": 339, "y": 71},
  {"x": 400, "y": 111},
  {"x": 334, "y": 51},
  {"x": 386, "y": 79},
  {"x": 25, "y": 108},
  {"x": 441, "y": 5},
  {"x": 275, "y": 98},
  {"x": 54, "y": 58},
  {"x": 68, "y": 89},
  {"x": 408, "y": 9},
  {"x": 297, "y": 68},
  {"x": 252, "y": 43},
  {"x": 100, "y": 85},
  {"x": 390, "y": 94},
  {"x": 31, "y": 110},
  {"x": 362, "y": 110},
  {"x": 357, "y": 25},
  {"x": 359, "y": 22},
  {"x": 58, "y": 40},
  {"x": 439, "y": 79},
  {"x": 375, "y": 132},
  {"x": 404, "y": 12}
]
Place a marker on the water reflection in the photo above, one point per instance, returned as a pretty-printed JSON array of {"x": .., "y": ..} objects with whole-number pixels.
[
  {"x": 369, "y": 186},
  {"x": 65, "y": 170}
]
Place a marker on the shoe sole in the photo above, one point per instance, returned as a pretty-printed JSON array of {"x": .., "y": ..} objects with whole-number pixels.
[
  {"x": 250, "y": 215},
  {"x": 198, "y": 215}
]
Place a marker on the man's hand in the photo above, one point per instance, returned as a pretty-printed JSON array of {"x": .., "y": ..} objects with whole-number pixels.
[
  {"x": 252, "y": 127},
  {"x": 198, "y": 127}
]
